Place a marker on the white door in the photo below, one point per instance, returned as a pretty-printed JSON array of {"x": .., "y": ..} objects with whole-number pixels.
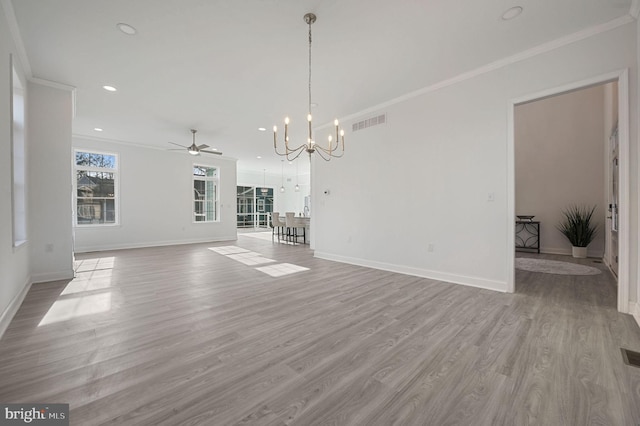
[{"x": 611, "y": 231}]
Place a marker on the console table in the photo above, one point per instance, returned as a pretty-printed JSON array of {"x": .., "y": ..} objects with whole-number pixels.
[{"x": 527, "y": 235}]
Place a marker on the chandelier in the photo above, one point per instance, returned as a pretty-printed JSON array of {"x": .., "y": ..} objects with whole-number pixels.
[{"x": 331, "y": 151}]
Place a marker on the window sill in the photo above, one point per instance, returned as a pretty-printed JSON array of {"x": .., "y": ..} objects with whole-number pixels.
[
  {"x": 17, "y": 245},
  {"x": 93, "y": 226}
]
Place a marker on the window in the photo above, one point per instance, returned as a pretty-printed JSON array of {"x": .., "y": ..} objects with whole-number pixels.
[
  {"x": 255, "y": 205},
  {"x": 96, "y": 184},
  {"x": 18, "y": 169},
  {"x": 205, "y": 194}
]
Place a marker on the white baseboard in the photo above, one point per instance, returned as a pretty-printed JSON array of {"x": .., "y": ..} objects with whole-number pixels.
[
  {"x": 552, "y": 250},
  {"x": 634, "y": 309},
  {"x": 568, "y": 252},
  {"x": 52, "y": 276},
  {"x": 418, "y": 272},
  {"x": 12, "y": 308},
  {"x": 109, "y": 247}
]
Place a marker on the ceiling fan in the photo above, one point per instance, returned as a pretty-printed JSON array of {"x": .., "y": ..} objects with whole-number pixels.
[{"x": 194, "y": 149}]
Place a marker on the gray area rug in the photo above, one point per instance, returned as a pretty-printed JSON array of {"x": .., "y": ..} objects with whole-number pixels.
[{"x": 554, "y": 267}]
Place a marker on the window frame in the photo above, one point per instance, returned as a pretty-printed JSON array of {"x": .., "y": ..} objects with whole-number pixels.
[
  {"x": 19, "y": 228},
  {"x": 216, "y": 201},
  {"x": 116, "y": 186}
]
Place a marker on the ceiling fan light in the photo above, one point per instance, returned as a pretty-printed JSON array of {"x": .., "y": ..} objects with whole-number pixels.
[{"x": 193, "y": 152}]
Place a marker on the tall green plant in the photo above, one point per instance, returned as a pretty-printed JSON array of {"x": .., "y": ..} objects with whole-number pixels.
[{"x": 577, "y": 225}]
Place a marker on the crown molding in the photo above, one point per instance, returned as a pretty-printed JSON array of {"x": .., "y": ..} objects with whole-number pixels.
[
  {"x": 12, "y": 23},
  {"x": 501, "y": 63},
  {"x": 53, "y": 84},
  {"x": 59, "y": 86}
]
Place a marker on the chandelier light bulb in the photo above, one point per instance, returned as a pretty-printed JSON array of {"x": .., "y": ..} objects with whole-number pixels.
[
  {"x": 286, "y": 120},
  {"x": 342, "y": 132},
  {"x": 275, "y": 129},
  {"x": 335, "y": 123},
  {"x": 308, "y": 117}
]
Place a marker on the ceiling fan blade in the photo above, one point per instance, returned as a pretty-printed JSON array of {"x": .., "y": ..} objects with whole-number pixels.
[
  {"x": 211, "y": 152},
  {"x": 176, "y": 144},
  {"x": 203, "y": 146}
]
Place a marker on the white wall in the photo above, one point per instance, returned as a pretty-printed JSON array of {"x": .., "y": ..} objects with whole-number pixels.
[
  {"x": 156, "y": 199},
  {"x": 49, "y": 115},
  {"x": 559, "y": 161},
  {"x": 14, "y": 263},
  {"x": 290, "y": 200},
  {"x": 426, "y": 177}
]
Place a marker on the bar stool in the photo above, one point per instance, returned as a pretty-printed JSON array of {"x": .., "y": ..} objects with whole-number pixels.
[
  {"x": 292, "y": 225},
  {"x": 276, "y": 222}
]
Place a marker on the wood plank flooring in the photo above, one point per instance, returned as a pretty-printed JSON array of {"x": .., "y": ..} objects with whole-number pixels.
[{"x": 184, "y": 335}]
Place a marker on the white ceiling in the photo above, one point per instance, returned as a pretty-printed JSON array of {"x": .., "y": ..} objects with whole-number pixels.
[{"x": 228, "y": 67}]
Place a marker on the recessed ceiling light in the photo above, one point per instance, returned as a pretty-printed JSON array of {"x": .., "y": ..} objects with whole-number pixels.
[
  {"x": 258, "y": 157},
  {"x": 97, "y": 129},
  {"x": 262, "y": 129},
  {"x": 127, "y": 29},
  {"x": 109, "y": 88},
  {"x": 512, "y": 13}
]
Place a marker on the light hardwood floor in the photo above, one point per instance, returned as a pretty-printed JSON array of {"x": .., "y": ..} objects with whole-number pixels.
[{"x": 185, "y": 335}]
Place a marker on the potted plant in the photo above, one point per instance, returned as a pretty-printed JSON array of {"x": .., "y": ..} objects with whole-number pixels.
[{"x": 578, "y": 227}]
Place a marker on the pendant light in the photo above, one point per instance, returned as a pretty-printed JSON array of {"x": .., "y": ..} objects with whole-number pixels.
[
  {"x": 264, "y": 188},
  {"x": 282, "y": 176}
]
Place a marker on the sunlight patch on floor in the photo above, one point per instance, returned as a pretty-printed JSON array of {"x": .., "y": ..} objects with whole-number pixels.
[
  {"x": 250, "y": 258},
  {"x": 74, "y": 307},
  {"x": 95, "y": 264},
  {"x": 281, "y": 269},
  {"x": 228, "y": 250}
]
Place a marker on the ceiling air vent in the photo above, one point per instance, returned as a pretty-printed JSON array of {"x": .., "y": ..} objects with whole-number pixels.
[{"x": 369, "y": 122}]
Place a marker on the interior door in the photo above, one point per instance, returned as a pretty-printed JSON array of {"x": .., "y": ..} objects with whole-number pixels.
[{"x": 612, "y": 217}]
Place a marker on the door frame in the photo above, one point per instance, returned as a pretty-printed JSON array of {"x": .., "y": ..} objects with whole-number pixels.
[{"x": 622, "y": 77}]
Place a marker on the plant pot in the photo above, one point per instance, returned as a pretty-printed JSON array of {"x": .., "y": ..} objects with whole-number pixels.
[{"x": 579, "y": 252}]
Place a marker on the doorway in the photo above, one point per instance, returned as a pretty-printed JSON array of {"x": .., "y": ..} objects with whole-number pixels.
[
  {"x": 255, "y": 205},
  {"x": 622, "y": 183}
]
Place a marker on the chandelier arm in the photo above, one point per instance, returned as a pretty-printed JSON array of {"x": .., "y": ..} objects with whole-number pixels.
[
  {"x": 329, "y": 153},
  {"x": 332, "y": 148},
  {"x": 288, "y": 150},
  {"x": 296, "y": 156},
  {"x": 301, "y": 147},
  {"x": 279, "y": 153},
  {"x": 321, "y": 155}
]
